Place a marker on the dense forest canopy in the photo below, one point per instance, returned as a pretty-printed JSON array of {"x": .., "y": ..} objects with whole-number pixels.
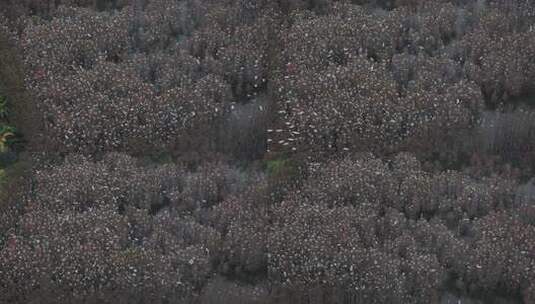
[{"x": 267, "y": 151}]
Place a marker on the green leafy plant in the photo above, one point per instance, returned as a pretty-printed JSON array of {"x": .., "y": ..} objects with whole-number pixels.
[
  {"x": 275, "y": 166},
  {"x": 280, "y": 166},
  {"x": 6, "y": 134}
]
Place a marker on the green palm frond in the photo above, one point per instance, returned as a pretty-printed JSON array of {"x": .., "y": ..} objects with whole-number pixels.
[{"x": 6, "y": 132}]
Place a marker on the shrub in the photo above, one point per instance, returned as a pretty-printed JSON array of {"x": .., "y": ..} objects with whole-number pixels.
[
  {"x": 502, "y": 254},
  {"x": 91, "y": 229}
]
